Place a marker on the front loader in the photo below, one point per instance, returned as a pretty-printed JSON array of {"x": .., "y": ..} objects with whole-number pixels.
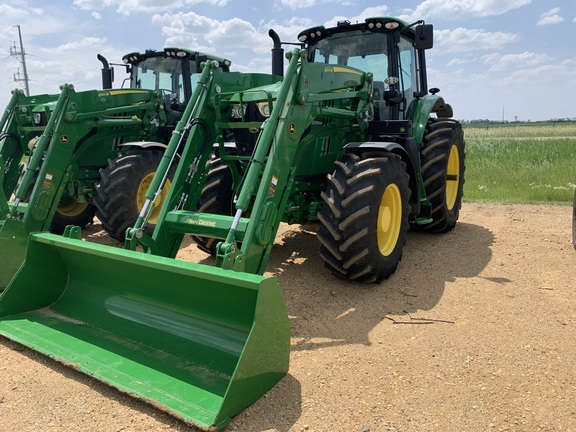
[
  {"x": 350, "y": 137},
  {"x": 56, "y": 150}
]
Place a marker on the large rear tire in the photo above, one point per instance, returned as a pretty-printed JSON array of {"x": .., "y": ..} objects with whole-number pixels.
[
  {"x": 443, "y": 166},
  {"x": 364, "y": 218},
  {"x": 121, "y": 192},
  {"x": 216, "y": 198}
]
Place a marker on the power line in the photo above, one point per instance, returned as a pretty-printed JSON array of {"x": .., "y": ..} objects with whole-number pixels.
[{"x": 21, "y": 54}]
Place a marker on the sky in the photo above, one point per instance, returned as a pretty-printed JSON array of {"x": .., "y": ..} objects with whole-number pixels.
[{"x": 492, "y": 59}]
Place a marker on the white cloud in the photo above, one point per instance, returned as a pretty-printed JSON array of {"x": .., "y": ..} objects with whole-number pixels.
[
  {"x": 33, "y": 22},
  {"x": 91, "y": 5},
  {"x": 550, "y": 17},
  {"x": 206, "y": 34},
  {"x": 211, "y": 2},
  {"x": 87, "y": 42},
  {"x": 515, "y": 61},
  {"x": 237, "y": 33},
  {"x": 130, "y": 7},
  {"x": 459, "y": 61},
  {"x": 463, "y": 40},
  {"x": 366, "y": 13},
  {"x": 463, "y": 9},
  {"x": 300, "y": 4}
]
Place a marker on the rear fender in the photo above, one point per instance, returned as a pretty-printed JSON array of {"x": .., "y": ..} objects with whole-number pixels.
[{"x": 421, "y": 109}]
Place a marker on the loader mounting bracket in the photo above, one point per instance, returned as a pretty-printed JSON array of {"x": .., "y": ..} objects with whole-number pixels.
[{"x": 229, "y": 257}]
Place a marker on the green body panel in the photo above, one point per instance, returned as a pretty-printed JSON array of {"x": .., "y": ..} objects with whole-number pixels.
[{"x": 419, "y": 112}]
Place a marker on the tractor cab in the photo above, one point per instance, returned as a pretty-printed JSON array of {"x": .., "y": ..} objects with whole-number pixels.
[
  {"x": 390, "y": 49},
  {"x": 173, "y": 71}
]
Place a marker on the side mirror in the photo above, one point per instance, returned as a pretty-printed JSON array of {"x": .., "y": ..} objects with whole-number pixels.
[{"x": 424, "y": 37}]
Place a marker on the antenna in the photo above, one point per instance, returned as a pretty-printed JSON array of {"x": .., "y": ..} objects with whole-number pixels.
[{"x": 22, "y": 57}]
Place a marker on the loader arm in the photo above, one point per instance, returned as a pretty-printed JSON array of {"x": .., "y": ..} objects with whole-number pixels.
[
  {"x": 80, "y": 132},
  {"x": 11, "y": 149},
  {"x": 305, "y": 88}
]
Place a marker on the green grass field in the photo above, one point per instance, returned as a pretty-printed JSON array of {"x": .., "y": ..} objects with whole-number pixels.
[{"x": 520, "y": 164}]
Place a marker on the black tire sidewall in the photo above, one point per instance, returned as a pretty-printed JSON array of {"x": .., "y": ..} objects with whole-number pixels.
[
  {"x": 441, "y": 136},
  {"x": 342, "y": 241},
  {"x": 117, "y": 191},
  {"x": 216, "y": 198}
]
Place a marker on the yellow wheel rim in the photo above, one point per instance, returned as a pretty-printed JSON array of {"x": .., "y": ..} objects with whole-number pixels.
[
  {"x": 72, "y": 208},
  {"x": 389, "y": 219},
  {"x": 141, "y": 197},
  {"x": 452, "y": 177}
]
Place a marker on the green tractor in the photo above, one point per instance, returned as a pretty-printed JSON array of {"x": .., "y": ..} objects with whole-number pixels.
[
  {"x": 59, "y": 153},
  {"x": 350, "y": 136},
  {"x": 123, "y": 182}
]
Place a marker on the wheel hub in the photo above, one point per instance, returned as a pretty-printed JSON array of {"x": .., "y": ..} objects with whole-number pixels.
[{"x": 389, "y": 219}]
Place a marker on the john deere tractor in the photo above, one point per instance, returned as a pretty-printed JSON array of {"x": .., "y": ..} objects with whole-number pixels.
[
  {"x": 350, "y": 136},
  {"x": 61, "y": 155},
  {"x": 120, "y": 192}
]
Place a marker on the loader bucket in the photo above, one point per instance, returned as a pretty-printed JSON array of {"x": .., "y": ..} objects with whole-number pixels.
[
  {"x": 13, "y": 243},
  {"x": 199, "y": 342}
]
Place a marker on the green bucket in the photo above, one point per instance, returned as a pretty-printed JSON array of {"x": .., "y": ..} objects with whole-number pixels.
[{"x": 199, "y": 342}]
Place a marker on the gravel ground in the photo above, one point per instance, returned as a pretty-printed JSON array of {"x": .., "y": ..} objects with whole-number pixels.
[{"x": 474, "y": 332}]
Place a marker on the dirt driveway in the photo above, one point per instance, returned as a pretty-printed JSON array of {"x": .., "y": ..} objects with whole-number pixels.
[{"x": 476, "y": 331}]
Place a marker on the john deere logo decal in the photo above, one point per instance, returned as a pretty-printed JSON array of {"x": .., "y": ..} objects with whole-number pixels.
[
  {"x": 291, "y": 128},
  {"x": 63, "y": 139}
]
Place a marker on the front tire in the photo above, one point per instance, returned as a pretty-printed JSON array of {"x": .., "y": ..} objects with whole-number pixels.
[
  {"x": 69, "y": 211},
  {"x": 216, "y": 198},
  {"x": 121, "y": 193},
  {"x": 443, "y": 166},
  {"x": 72, "y": 212},
  {"x": 364, "y": 218}
]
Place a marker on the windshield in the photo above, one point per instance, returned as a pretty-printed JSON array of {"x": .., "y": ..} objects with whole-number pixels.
[
  {"x": 160, "y": 73},
  {"x": 367, "y": 52}
]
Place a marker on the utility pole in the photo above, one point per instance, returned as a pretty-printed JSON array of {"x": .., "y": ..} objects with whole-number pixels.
[{"x": 21, "y": 54}]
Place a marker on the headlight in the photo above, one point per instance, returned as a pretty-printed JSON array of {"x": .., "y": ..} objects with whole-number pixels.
[
  {"x": 37, "y": 118},
  {"x": 264, "y": 109},
  {"x": 238, "y": 110}
]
